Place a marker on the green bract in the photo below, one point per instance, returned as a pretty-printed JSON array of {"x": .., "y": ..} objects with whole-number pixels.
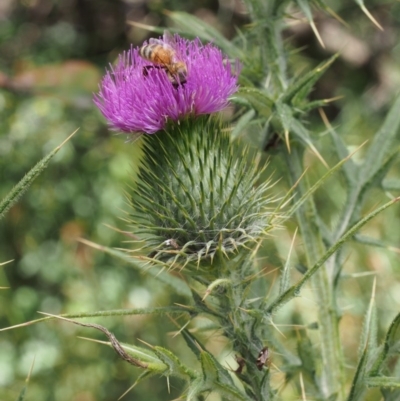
[{"x": 197, "y": 193}]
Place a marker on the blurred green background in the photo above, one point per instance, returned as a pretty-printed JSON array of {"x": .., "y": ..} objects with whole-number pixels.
[{"x": 52, "y": 56}]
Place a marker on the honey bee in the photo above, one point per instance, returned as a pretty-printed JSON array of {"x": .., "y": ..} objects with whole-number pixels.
[{"x": 163, "y": 55}]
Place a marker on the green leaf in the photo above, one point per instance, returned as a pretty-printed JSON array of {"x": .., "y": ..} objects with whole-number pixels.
[
  {"x": 390, "y": 340},
  {"x": 209, "y": 368},
  {"x": 376, "y": 178},
  {"x": 157, "y": 310},
  {"x": 390, "y": 394},
  {"x": 305, "y": 7},
  {"x": 295, "y": 289},
  {"x": 258, "y": 99},
  {"x": 369, "y": 330},
  {"x": 300, "y": 89},
  {"x": 16, "y": 193},
  {"x": 368, "y": 14},
  {"x": 189, "y": 24},
  {"x": 116, "y": 312},
  {"x": 358, "y": 385},
  {"x": 285, "y": 115},
  {"x": 306, "y": 353},
  {"x": 193, "y": 343},
  {"x": 242, "y": 123},
  {"x": 298, "y": 129},
  {"x": 308, "y": 106},
  {"x": 311, "y": 190},
  {"x": 285, "y": 275},
  {"x": 216, "y": 377},
  {"x": 382, "y": 381},
  {"x": 363, "y": 239},
  {"x": 146, "y": 267},
  {"x": 350, "y": 170},
  {"x": 176, "y": 368},
  {"x": 382, "y": 143},
  {"x": 391, "y": 184},
  {"x": 368, "y": 346},
  {"x": 147, "y": 356},
  {"x": 392, "y": 332}
]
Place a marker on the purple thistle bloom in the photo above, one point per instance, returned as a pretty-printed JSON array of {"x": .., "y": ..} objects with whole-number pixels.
[{"x": 135, "y": 98}]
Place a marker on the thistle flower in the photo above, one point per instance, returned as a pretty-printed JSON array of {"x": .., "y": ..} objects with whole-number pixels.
[{"x": 138, "y": 96}]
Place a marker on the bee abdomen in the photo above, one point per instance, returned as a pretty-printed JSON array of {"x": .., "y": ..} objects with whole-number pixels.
[{"x": 146, "y": 51}]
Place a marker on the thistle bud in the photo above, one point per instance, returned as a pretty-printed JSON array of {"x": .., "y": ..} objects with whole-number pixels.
[{"x": 197, "y": 195}]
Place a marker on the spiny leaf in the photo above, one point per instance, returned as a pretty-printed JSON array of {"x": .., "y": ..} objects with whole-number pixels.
[
  {"x": 363, "y": 239},
  {"x": 299, "y": 90},
  {"x": 285, "y": 115},
  {"x": 14, "y": 195},
  {"x": 312, "y": 189},
  {"x": 358, "y": 384},
  {"x": 382, "y": 143},
  {"x": 306, "y": 353},
  {"x": 376, "y": 178},
  {"x": 176, "y": 368},
  {"x": 302, "y": 133},
  {"x": 116, "y": 312},
  {"x": 194, "y": 344},
  {"x": 242, "y": 123},
  {"x": 285, "y": 276},
  {"x": 324, "y": 6},
  {"x": 295, "y": 289},
  {"x": 194, "y": 26},
  {"x": 368, "y": 339},
  {"x": 382, "y": 381},
  {"x": 136, "y": 356},
  {"x": 350, "y": 170},
  {"x": 305, "y": 7},
  {"x": 391, "y": 184},
  {"x": 157, "y": 310},
  {"x": 176, "y": 283},
  {"x": 389, "y": 341},
  {"x": 368, "y": 14},
  {"x": 216, "y": 377},
  {"x": 144, "y": 375},
  {"x": 212, "y": 369},
  {"x": 229, "y": 392},
  {"x": 258, "y": 99}
]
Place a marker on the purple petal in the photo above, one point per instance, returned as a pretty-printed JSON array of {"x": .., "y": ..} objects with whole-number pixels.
[{"x": 132, "y": 101}]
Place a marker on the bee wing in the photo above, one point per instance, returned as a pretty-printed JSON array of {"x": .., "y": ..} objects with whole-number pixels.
[
  {"x": 169, "y": 39},
  {"x": 154, "y": 41},
  {"x": 165, "y": 42}
]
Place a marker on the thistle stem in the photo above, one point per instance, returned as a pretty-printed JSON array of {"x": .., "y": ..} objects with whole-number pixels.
[{"x": 331, "y": 351}]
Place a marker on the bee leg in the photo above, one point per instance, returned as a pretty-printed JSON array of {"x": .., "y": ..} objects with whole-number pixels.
[{"x": 146, "y": 69}]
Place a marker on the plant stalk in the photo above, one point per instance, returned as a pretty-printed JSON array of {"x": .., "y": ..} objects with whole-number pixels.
[{"x": 332, "y": 365}]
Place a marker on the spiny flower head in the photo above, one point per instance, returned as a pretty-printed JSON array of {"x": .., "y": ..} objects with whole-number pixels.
[
  {"x": 197, "y": 196},
  {"x": 140, "y": 96}
]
